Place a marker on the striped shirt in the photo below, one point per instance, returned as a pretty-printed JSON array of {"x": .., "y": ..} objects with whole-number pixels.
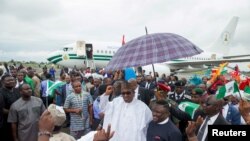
[
  {"x": 87, "y": 100},
  {"x": 74, "y": 101}
]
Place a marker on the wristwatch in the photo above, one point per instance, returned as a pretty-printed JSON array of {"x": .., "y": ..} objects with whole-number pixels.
[{"x": 47, "y": 133}]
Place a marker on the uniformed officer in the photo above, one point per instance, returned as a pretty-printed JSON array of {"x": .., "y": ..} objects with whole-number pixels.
[{"x": 179, "y": 94}]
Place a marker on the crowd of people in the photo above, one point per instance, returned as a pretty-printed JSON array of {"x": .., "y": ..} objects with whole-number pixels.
[{"x": 109, "y": 107}]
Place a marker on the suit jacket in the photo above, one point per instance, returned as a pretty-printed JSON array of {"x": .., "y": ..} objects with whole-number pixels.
[
  {"x": 144, "y": 95},
  {"x": 94, "y": 92},
  {"x": 233, "y": 115},
  {"x": 184, "y": 97},
  {"x": 152, "y": 85},
  {"x": 180, "y": 115},
  {"x": 219, "y": 121}
]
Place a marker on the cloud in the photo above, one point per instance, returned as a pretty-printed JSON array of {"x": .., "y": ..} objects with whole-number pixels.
[
  {"x": 46, "y": 25},
  {"x": 30, "y": 10}
]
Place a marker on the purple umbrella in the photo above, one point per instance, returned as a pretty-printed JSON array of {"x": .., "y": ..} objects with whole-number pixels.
[{"x": 152, "y": 48}]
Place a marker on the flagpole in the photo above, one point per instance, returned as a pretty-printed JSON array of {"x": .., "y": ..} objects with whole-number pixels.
[
  {"x": 240, "y": 95},
  {"x": 47, "y": 101},
  {"x": 146, "y": 29},
  {"x": 238, "y": 89}
]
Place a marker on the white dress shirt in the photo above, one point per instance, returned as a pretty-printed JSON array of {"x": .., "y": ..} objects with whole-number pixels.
[{"x": 210, "y": 122}]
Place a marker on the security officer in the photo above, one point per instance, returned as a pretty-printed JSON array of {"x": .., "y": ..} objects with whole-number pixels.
[{"x": 179, "y": 94}]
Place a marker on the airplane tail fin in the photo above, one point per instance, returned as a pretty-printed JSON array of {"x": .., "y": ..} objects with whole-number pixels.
[{"x": 226, "y": 37}]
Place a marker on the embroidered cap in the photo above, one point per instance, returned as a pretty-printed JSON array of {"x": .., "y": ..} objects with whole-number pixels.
[{"x": 58, "y": 114}]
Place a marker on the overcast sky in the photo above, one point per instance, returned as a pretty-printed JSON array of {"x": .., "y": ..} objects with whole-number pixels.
[{"x": 30, "y": 29}]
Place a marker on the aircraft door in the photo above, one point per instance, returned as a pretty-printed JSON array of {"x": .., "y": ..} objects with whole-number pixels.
[{"x": 89, "y": 51}]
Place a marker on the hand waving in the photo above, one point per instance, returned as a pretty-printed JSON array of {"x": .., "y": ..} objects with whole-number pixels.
[{"x": 101, "y": 135}]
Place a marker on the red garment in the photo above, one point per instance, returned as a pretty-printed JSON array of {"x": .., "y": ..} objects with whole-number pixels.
[{"x": 163, "y": 87}]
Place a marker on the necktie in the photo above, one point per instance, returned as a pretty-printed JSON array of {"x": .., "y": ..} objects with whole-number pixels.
[
  {"x": 177, "y": 97},
  {"x": 202, "y": 130}
]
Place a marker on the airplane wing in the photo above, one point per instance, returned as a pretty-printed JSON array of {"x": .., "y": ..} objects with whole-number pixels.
[
  {"x": 202, "y": 63},
  {"x": 235, "y": 56}
]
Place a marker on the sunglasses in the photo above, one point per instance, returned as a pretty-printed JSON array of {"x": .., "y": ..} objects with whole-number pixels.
[{"x": 126, "y": 93}]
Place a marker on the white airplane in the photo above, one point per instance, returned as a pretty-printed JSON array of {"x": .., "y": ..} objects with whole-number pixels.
[{"x": 77, "y": 55}]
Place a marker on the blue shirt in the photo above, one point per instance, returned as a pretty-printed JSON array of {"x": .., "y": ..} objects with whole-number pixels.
[
  {"x": 96, "y": 108},
  {"x": 44, "y": 88}
]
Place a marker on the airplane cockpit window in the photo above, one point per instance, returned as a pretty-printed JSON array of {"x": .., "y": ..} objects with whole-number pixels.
[{"x": 67, "y": 49}]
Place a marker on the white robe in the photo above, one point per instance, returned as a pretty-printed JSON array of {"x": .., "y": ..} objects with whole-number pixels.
[
  {"x": 88, "y": 137},
  {"x": 128, "y": 120}
]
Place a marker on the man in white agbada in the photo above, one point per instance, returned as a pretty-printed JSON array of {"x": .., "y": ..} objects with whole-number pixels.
[{"x": 129, "y": 117}]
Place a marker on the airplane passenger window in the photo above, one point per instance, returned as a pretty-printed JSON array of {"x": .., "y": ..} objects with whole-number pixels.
[
  {"x": 105, "y": 51},
  {"x": 109, "y": 52},
  {"x": 113, "y": 52},
  {"x": 97, "y": 51},
  {"x": 101, "y": 51}
]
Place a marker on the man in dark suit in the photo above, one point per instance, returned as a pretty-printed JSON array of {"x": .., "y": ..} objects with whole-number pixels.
[
  {"x": 212, "y": 108},
  {"x": 94, "y": 91},
  {"x": 141, "y": 93},
  {"x": 149, "y": 83}
]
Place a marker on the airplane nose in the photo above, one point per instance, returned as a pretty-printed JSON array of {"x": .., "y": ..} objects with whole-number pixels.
[{"x": 53, "y": 57}]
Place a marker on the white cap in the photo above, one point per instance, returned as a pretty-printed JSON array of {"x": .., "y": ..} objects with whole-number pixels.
[{"x": 58, "y": 114}]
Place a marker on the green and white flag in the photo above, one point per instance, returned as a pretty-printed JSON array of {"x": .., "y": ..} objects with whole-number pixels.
[
  {"x": 54, "y": 86},
  {"x": 231, "y": 88},
  {"x": 246, "y": 94},
  {"x": 188, "y": 107},
  {"x": 49, "y": 84}
]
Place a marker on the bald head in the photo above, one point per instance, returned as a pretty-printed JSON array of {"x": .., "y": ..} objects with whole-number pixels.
[{"x": 212, "y": 106}]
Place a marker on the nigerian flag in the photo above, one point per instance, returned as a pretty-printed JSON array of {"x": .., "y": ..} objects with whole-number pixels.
[
  {"x": 54, "y": 86},
  {"x": 188, "y": 107},
  {"x": 231, "y": 88},
  {"x": 246, "y": 94},
  {"x": 49, "y": 84}
]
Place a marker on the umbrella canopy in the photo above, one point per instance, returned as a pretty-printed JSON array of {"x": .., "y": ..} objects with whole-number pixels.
[{"x": 150, "y": 49}]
